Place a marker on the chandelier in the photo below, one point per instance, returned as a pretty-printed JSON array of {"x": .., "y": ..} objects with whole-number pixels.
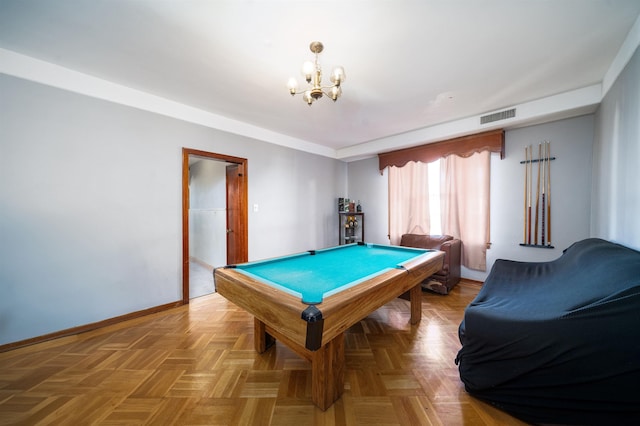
[{"x": 313, "y": 74}]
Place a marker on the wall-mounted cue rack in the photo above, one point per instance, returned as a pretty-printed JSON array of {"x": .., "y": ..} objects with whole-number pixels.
[{"x": 540, "y": 207}]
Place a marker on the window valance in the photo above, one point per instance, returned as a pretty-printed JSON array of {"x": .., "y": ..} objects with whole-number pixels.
[{"x": 464, "y": 146}]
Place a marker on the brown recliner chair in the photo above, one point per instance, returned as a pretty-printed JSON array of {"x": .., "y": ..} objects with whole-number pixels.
[{"x": 447, "y": 277}]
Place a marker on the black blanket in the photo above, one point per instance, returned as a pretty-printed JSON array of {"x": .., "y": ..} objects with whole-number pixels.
[{"x": 558, "y": 342}]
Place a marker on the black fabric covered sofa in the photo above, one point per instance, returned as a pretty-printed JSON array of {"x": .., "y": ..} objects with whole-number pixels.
[{"x": 558, "y": 342}]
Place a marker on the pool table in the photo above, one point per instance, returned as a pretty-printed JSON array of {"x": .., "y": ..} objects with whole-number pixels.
[{"x": 308, "y": 300}]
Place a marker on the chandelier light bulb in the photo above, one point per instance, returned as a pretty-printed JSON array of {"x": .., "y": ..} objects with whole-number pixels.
[
  {"x": 307, "y": 97},
  {"x": 335, "y": 93},
  {"x": 293, "y": 86},
  {"x": 338, "y": 76},
  {"x": 307, "y": 70}
]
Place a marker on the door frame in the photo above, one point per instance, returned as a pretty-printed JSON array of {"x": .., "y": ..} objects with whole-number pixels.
[{"x": 242, "y": 206}]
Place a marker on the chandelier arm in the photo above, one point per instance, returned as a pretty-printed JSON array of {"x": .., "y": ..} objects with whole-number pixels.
[
  {"x": 321, "y": 87},
  {"x": 328, "y": 95}
]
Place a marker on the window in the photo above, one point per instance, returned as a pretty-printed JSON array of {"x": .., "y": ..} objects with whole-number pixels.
[{"x": 443, "y": 188}]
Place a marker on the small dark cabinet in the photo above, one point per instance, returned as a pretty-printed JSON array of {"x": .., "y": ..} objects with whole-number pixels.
[{"x": 351, "y": 227}]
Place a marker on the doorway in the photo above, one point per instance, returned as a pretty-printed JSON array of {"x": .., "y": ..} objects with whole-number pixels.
[{"x": 235, "y": 231}]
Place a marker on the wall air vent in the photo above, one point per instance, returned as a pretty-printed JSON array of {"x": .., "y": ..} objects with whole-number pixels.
[{"x": 496, "y": 116}]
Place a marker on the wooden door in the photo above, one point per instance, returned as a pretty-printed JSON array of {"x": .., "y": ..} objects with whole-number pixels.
[{"x": 236, "y": 215}]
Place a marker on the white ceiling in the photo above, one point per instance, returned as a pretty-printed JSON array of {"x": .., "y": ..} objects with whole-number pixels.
[{"x": 412, "y": 66}]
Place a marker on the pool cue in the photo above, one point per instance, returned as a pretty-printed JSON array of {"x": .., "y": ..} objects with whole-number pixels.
[
  {"x": 535, "y": 234},
  {"x": 530, "y": 165},
  {"x": 549, "y": 193},
  {"x": 526, "y": 179},
  {"x": 544, "y": 193}
]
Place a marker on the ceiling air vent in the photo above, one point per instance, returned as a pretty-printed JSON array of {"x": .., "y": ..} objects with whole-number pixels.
[{"x": 496, "y": 116}]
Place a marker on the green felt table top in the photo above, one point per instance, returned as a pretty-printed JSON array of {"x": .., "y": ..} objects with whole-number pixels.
[{"x": 328, "y": 271}]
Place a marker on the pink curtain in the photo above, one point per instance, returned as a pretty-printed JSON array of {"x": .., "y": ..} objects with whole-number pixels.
[
  {"x": 408, "y": 200},
  {"x": 464, "y": 188}
]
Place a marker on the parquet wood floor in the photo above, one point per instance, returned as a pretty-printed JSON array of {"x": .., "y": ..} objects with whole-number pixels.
[{"x": 195, "y": 365}]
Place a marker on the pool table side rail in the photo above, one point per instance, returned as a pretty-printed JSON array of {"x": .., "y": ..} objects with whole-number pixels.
[
  {"x": 345, "y": 309},
  {"x": 417, "y": 266}
]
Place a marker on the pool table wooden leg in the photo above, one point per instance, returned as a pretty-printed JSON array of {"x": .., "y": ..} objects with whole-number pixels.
[
  {"x": 415, "y": 297},
  {"x": 261, "y": 339},
  {"x": 327, "y": 372}
]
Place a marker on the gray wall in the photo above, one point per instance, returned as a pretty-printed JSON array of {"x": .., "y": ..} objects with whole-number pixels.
[
  {"x": 371, "y": 188},
  {"x": 616, "y": 169},
  {"x": 571, "y": 142},
  {"x": 90, "y": 206},
  {"x": 90, "y": 198}
]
